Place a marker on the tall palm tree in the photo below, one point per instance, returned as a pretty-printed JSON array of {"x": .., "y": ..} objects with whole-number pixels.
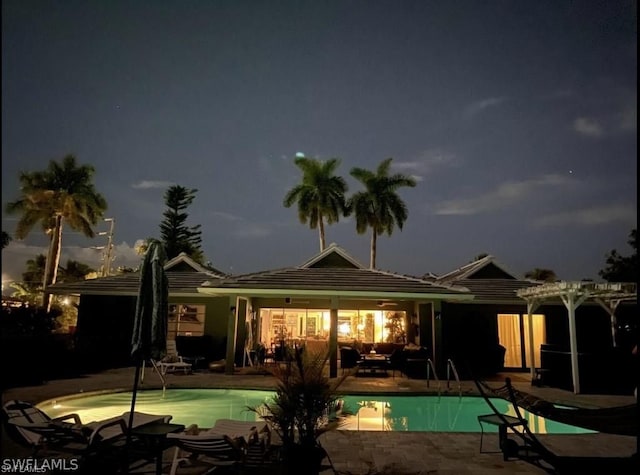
[
  {"x": 64, "y": 192},
  {"x": 320, "y": 196},
  {"x": 379, "y": 207}
]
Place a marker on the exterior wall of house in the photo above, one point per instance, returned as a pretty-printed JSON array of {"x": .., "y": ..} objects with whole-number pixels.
[
  {"x": 99, "y": 316},
  {"x": 469, "y": 338},
  {"x": 113, "y": 315}
]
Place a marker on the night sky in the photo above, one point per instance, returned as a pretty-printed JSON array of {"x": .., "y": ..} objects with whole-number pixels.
[{"x": 517, "y": 119}]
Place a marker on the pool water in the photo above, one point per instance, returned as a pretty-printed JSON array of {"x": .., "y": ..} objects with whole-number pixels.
[{"x": 370, "y": 412}]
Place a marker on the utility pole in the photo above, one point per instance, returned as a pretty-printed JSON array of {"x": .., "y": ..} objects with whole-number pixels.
[{"x": 107, "y": 254}]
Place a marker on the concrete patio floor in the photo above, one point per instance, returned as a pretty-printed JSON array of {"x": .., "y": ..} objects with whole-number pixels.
[{"x": 369, "y": 452}]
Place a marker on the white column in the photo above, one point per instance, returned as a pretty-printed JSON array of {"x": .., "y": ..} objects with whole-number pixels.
[
  {"x": 532, "y": 305},
  {"x": 232, "y": 333},
  {"x": 333, "y": 339},
  {"x": 610, "y": 306},
  {"x": 572, "y": 301}
]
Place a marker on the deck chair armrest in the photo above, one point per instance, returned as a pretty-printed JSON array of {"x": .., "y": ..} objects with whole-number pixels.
[
  {"x": 75, "y": 417},
  {"x": 96, "y": 435}
]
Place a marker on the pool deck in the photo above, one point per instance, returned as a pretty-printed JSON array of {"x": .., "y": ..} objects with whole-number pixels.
[{"x": 369, "y": 452}]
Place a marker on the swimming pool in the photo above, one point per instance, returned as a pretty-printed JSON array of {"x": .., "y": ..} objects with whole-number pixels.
[{"x": 371, "y": 412}]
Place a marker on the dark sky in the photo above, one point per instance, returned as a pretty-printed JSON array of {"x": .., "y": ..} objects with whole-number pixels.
[{"x": 517, "y": 118}]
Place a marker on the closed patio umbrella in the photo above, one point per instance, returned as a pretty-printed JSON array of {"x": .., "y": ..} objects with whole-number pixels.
[{"x": 149, "y": 338}]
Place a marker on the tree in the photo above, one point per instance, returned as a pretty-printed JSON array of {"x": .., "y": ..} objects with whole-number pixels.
[
  {"x": 320, "y": 196},
  {"x": 32, "y": 278},
  {"x": 75, "y": 271},
  {"x": 544, "y": 275},
  {"x": 379, "y": 207},
  {"x": 6, "y": 239},
  {"x": 176, "y": 236},
  {"x": 620, "y": 268},
  {"x": 64, "y": 192}
]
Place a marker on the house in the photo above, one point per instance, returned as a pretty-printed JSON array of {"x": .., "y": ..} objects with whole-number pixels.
[{"x": 472, "y": 314}]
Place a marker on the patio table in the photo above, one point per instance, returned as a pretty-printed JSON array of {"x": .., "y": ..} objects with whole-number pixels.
[{"x": 373, "y": 362}]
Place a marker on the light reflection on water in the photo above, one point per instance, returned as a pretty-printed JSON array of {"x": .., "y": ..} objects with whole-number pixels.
[{"x": 371, "y": 412}]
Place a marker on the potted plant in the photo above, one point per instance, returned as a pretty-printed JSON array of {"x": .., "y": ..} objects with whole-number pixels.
[{"x": 306, "y": 405}]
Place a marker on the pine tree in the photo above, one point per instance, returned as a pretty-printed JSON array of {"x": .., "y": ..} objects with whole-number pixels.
[{"x": 176, "y": 235}]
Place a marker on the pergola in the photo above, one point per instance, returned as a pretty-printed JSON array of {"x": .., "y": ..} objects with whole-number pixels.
[{"x": 573, "y": 294}]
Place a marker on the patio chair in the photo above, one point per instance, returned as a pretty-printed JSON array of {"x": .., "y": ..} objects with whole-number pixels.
[
  {"x": 349, "y": 358},
  {"x": 173, "y": 361},
  {"x": 534, "y": 451},
  {"x": 232, "y": 444}
]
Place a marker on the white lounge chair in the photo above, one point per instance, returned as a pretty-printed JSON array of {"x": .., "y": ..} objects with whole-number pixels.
[
  {"x": 229, "y": 443},
  {"x": 99, "y": 442},
  {"x": 173, "y": 361}
]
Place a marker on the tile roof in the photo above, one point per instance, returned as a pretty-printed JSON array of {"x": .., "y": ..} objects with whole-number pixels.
[
  {"x": 311, "y": 278},
  {"x": 471, "y": 268},
  {"x": 127, "y": 284},
  {"x": 496, "y": 290}
]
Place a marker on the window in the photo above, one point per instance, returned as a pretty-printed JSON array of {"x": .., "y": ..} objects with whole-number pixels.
[
  {"x": 511, "y": 336},
  {"x": 370, "y": 326},
  {"x": 186, "y": 320}
]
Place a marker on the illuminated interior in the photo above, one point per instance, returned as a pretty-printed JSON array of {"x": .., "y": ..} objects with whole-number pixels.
[
  {"x": 509, "y": 335},
  {"x": 367, "y": 326}
]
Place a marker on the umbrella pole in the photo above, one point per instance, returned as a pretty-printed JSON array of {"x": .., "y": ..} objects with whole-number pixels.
[{"x": 136, "y": 381}]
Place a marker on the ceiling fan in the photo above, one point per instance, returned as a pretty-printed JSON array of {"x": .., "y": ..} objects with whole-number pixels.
[{"x": 382, "y": 303}]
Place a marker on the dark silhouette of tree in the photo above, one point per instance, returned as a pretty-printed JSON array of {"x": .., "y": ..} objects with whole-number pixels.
[
  {"x": 6, "y": 239},
  {"x": 63, "y": 193},
  {"x": 176, "y": 236},
  {"x": 379, "y": 207},
  {"x": 33, "y": 276},
  {"x": 620, "y": 268},
  {"x": 320, "y": 196},
  {"x": 544, "y": 275},
  {"x": 74, "y": 271}
]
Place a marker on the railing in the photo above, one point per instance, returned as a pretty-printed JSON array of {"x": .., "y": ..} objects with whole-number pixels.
[
  {"x": 431, "y": 367},
  {"x": 452, "y": 368},
  {"x": 155, "y": 367}
]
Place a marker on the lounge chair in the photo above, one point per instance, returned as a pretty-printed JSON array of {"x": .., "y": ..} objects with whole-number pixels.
[
  {"x": 235, "y": 445},
  {"x": 31, "y": 427},
  {"x": 619, "y": 420},
  {"x": 534, "y": 451},
  {"x": 173, "y": 361}
]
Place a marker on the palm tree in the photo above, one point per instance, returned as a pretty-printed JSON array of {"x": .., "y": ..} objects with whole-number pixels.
[
  {"x": 379, "y": 207},
  {"x": 320, "y": 196},
  {"x": 64, "y": 192}
]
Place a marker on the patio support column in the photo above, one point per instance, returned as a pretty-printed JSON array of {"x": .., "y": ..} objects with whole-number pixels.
[
  {"x": 437, "y": 342},
  {"x": 572, "y": 301},
  {"x": 532, "y": 306},
  {"x": 610, "y": 306},
  {"x": 232, "y": 330},
  {"x": 333, "y": 339}
]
